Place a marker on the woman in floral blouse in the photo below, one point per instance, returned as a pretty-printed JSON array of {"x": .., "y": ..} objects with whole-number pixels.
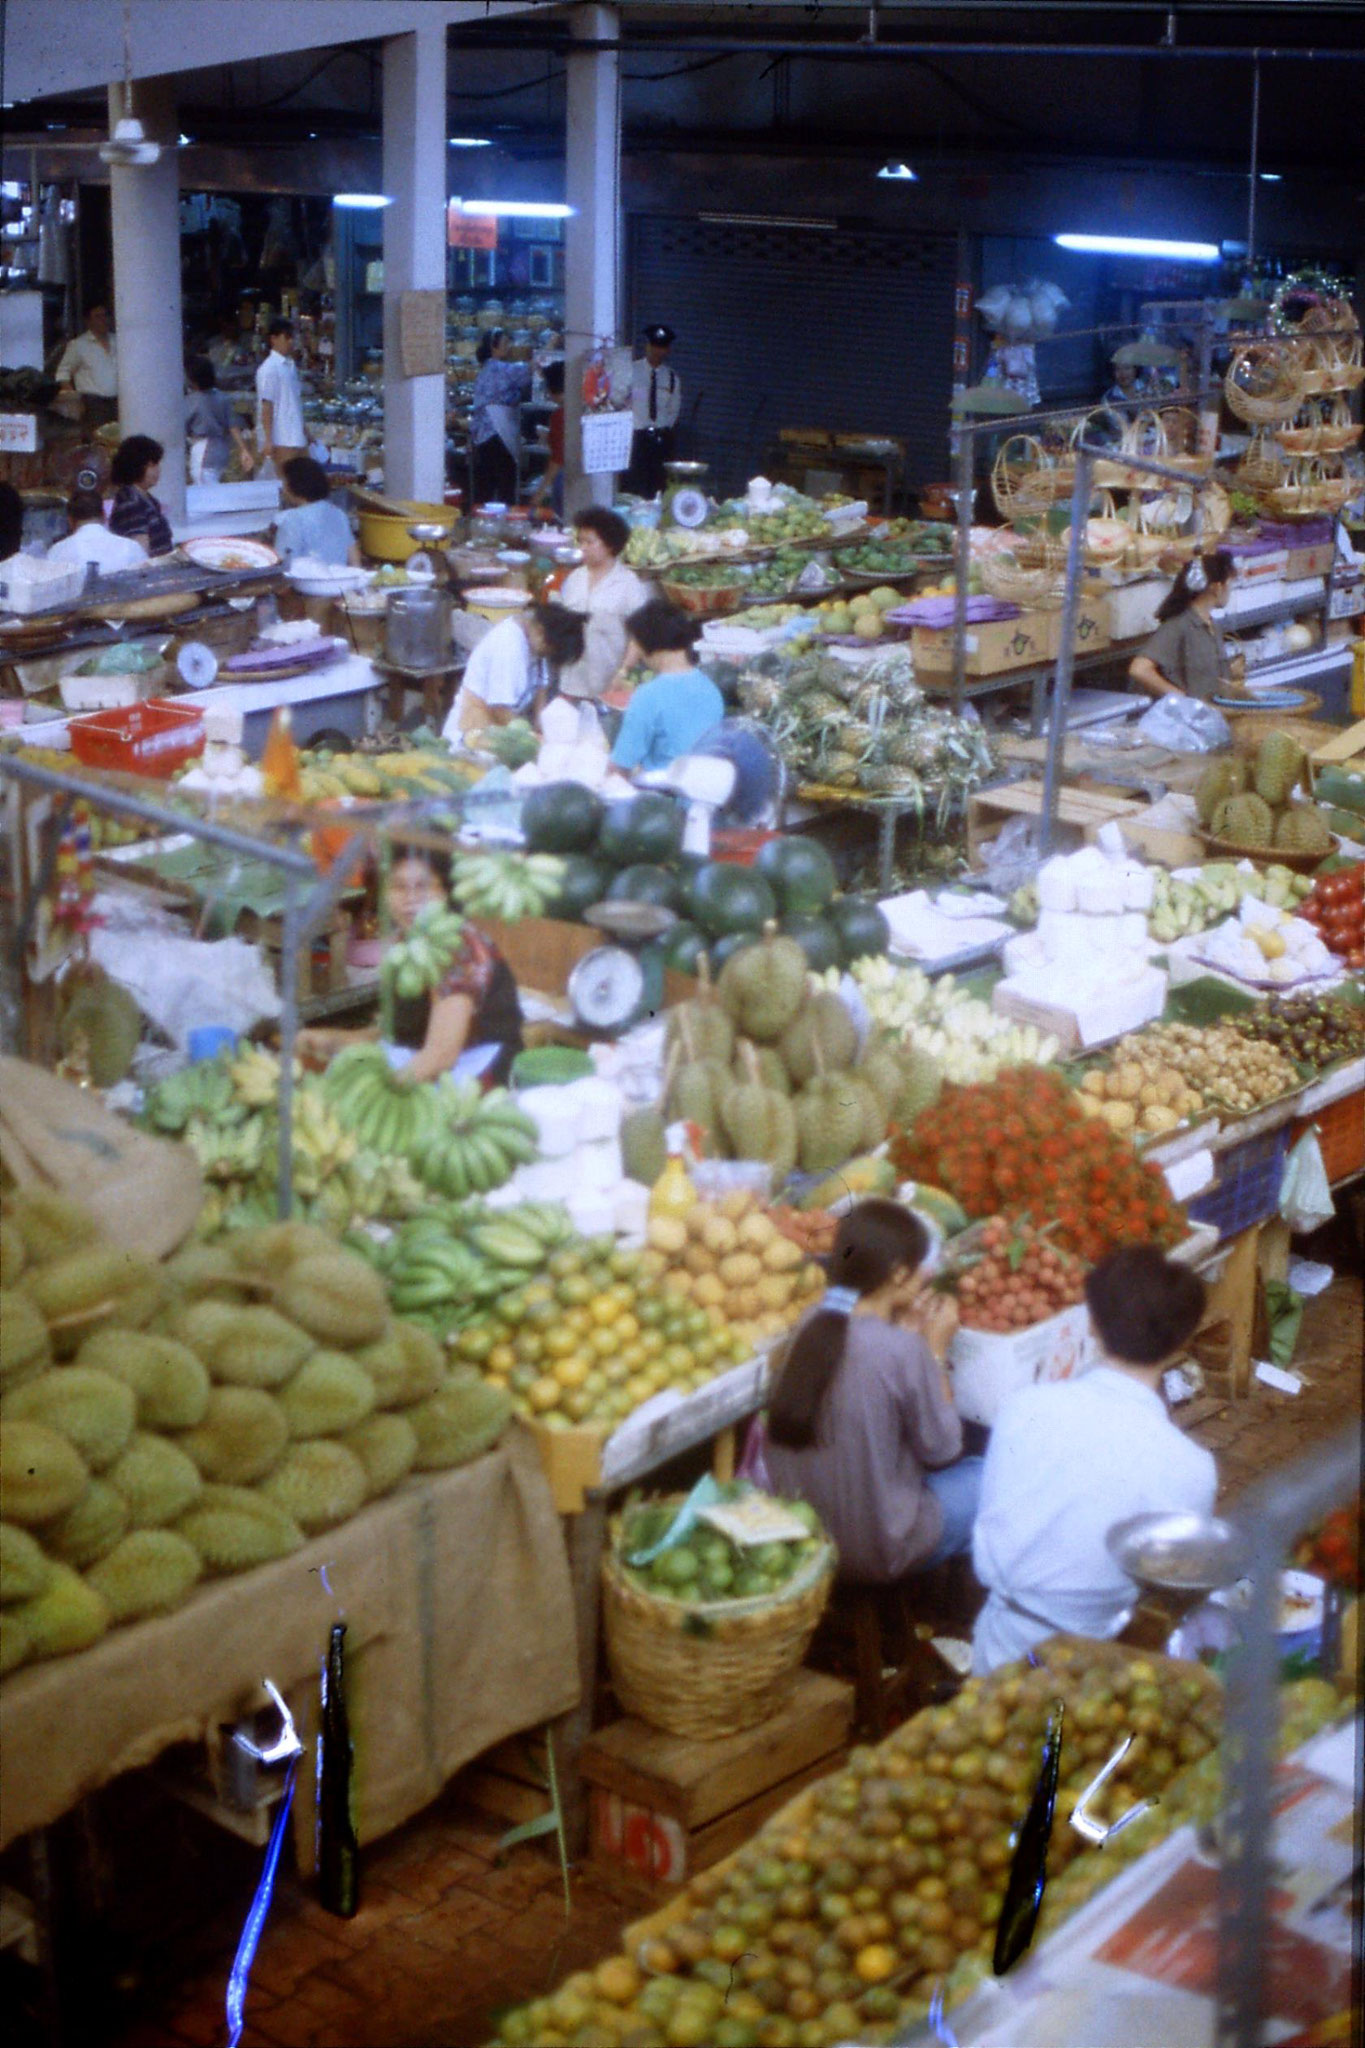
[{"x": 499, "y": 391}]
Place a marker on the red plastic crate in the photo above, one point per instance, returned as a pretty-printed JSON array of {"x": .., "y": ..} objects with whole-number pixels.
[
  {"x": 153, "y": 739},
  {"x": 1341, "y": 1134}
]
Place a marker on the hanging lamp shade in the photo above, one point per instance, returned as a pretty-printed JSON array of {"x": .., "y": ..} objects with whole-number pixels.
[{"x": 991, "y": 400}]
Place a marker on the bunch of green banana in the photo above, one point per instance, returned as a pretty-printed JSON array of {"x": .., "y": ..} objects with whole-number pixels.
[
  {"x": 386, "y": 1114},
  {"x": 431, "y": 1269},
  {"x": 321, "y": 1143},
  {"x": 415, "y": 965},
  {"x": 227, "y": 1151},
  {"x": 522, "y": 1238},
  {"x": 457, "y": 1268},
  {"x": 506, "y": 885},
  {"x": 202, "y": 1091},
  {"x": 478, "y": 1141},
  {"x": 378, "y": 1186}
]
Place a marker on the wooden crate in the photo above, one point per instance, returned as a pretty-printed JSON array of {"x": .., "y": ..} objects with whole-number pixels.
[
  {"x": 1080, "y": 812},
  {"x": 667, "y": 1806}
]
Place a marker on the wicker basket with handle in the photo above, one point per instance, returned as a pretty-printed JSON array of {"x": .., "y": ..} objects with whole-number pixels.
[
  {"x": 1024, "y": 478},
  {"x": 1264, "y": 384},
  {"x": 1309, "y": 491},
  {"x": 714, "y": 1668}
]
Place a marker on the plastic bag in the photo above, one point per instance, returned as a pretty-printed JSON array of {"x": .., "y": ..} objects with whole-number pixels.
[
  {"x": 1305, "y": 1191},
  {"x": 1186, "y": 725},
  {"x": 1284, "y": 1318}
]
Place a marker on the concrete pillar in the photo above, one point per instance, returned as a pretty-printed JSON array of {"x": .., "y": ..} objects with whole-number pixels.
[
  {"x": 145, "y": 213},
  {"x": 414, "y": 254},
  {"x": 592, "y": 234}
]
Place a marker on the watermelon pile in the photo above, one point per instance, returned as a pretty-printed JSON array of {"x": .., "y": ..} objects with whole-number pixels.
[{"x": 631, "y": 851}]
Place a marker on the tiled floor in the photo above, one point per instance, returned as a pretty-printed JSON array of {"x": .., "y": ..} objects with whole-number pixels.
[{"x": 448, "y": 1934}]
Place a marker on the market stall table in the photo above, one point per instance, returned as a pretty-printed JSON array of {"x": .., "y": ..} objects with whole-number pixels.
[{"x": 456, "y": 1596}]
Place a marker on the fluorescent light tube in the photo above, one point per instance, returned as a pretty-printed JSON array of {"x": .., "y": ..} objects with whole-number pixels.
[
  {"x": 1140, "y": 245},
  {"x": 902, "y": 172},
  {"x": 469, "y": 142},
  {"x": 368, "y": 202},
  {"x": 517, "y": 209}
]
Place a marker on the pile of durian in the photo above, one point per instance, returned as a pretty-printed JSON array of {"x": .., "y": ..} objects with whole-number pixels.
[
  {"x": 1247, "y": 802},
  {"x": 161, "y": 1423}
]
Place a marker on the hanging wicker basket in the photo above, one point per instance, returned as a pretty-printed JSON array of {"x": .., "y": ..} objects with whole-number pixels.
[
  {"x": 714, "y": 1668},
  {"x": 1309, "y": 492},
  {"x": 1036, "y": 588},
  {"x": 1023, "y": 479},
  {"x": 1264, "y": 382},
  {"x": 1262, "y": 465},
  {"x": 1325, "y": 429}
]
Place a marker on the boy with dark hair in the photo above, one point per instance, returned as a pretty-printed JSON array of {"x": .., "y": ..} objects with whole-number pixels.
[
  {"x": 1066, "y": 1461},
  {"x": 312, "y": 524}
]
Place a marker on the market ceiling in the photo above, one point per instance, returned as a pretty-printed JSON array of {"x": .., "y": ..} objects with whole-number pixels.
[{"x": 1123, "y": 82}]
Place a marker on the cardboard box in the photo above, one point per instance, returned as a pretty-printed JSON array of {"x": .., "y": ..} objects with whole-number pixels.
[
  {"x": 1311, "y": 561},
  {"x": 992, "y": 649},
  {"x": 1092, "y": 622},
  {"x": 986, "y": 1369},
  {"x": 1133, "y": 607}
]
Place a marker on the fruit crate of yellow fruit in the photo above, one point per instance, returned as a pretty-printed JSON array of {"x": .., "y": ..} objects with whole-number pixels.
[
  {"x": 705, "y": 1641},
  {"x": 731, "y": 1256}
]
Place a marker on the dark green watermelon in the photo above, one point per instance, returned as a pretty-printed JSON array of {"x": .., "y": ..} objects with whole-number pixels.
[
  {"x": 647, "y": 884},
  {"x": 818, "y": 940},
  {"x": 586, "y": 881},
  {"x": 801, "y": 874},
  {"x": 563, "y": 817},
  {"x": 724, "y": 898},
  {"x": 860, "y": 925},
  {"x": 724, "y": 949},
  {"x": 683, "y": 947},
  {"x": 646, "y": 828}
]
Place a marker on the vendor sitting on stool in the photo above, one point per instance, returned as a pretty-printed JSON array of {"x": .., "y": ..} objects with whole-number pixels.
[
  {"x": 312, "y": 525},
  {"x": 475, "y": 1008},
  {"x": 514, "y": 670},
  {"x": 667, "y": 715},
  {"x": 1067, "y": 1461},
  {"x": 861, "y": 1421}
]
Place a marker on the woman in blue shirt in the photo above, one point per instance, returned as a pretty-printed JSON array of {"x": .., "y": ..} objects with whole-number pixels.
[
  {"x": 667, "y": 715},
  {"x": 498, "y": 393},
  {"x": 312, "y": 525}
]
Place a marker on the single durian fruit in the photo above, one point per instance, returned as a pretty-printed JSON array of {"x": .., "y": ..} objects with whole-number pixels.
[
  {"x": 405, "y": 1365},
  {"x": 233, "y": 1528},
  {"x": 328, "y": 1395},
  {"x": 463, "y": 1420},
  {"x": 91, "y": 1409},
  {"x": 41, "y": 1474},
  {"x": 1225, "y": 776},
  {"x": 67, "y": 1615},
  {"x": 13, "y": 1256},
  {"x": 336, "y": 1296},
  {"x": 693, "y": 1089},
  {"x": 25, "y": 1347},
  {"x": 16, "y": 1641},
  {"x": 243, "y": 1346},
  {"x": 824, "y": 1035},
  {"x": 386, "y": 1446},
  {"x": 1303, "y": 829},
  {"x": 49, "y": 1224},
  {"x": 881, "y": 1070},
  {"x": 1245, "y": 820},
  {"x": 205, "y": 1272},
  {"x": 700, "y": 1027},
  {"x": 149, "y": 1572},
  {"x": 318, "y": 1483},
  {"x": 759, "y": 1121},
  {"x": 89, "y": 1531},
  {"x": 1279, "y": 764},
  {"x": 644, "y": 1152},
  {"x": 834, "y": 1113},
  {"x": 771, "y": 1070},
  {"x": 762, "y": 988},
  {"x": 921, "y": 1085},
  {"x": 141, "y": 1301},
  {"x": 101, "y": 1019},
  {"x": 275, "y": 1247},
  {"x": 170, "y": 1385},
  {"x": 24, "y": 1569},
  {"x": 156, "y": 1480},
  {"x": 241, "y": 1438}
]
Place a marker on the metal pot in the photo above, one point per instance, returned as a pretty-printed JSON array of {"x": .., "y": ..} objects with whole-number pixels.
[{"x": 417, "y": 629}]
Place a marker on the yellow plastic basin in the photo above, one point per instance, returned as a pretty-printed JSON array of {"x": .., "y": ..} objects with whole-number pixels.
[{"x": 385, "y": 536}]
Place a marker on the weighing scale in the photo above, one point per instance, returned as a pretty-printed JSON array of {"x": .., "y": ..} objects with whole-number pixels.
[
  {"x": 607, "y": 987},
  {"x": 686, "y": 502},
  {"x": 197, "y": 664}
]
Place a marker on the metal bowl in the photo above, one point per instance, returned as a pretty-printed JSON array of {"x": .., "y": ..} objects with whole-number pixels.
[
  {"x": 631, "y": 921},
  {"x": 1185, "y": 1553}
]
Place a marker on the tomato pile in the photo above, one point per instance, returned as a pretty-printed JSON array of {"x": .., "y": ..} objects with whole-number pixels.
[
  {"x": 1020, "y": 1146},
  {"x": 1010, "y": 1276},
  {"x": 1335, "y": 1550},
  {"x": 1336, "y": 909}
]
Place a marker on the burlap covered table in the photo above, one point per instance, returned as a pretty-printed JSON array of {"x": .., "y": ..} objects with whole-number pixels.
[{"x": 457, "y": 1598}]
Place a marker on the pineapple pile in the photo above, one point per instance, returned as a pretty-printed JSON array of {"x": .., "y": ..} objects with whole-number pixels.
[{"x": 1249, "y": 802}]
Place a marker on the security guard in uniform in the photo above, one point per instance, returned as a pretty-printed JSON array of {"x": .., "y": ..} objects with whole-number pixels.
[{"x": 656, "y": 401}]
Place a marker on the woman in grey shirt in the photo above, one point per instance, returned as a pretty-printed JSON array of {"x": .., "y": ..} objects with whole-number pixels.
[
  {"x": 209, "y": 418},
  {"x": 1184, "y": 657},
  {"x": 861, "y": 1421}
]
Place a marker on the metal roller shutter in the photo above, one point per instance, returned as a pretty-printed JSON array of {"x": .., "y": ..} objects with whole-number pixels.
[{"x": 788, "y": 327}]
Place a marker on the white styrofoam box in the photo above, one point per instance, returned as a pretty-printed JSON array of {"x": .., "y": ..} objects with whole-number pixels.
[
  {"x": 598, "y": 1106},
  {"x": 1346, "y": 600},
  {"x": 260, "y": 494},
  {"x": 598, "y": 1164},
  {"x": 632, "y": 1209},
  {"x": 30, "y": 585},
  {"x": 987, "y": 1368},
  {"x": 548, "y": 1180},
  {"x": 593, "y": 1212},
  {"x": 1133, "y": 607},
  {"x": 555, "y": 1115}
]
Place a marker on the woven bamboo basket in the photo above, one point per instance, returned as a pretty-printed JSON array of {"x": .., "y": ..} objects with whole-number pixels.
[
  {"x": 1269, "y": 856},
  {"x": 705, "y": 601},
  {"x": 1250, "y": 727},
  {"x": 1327, "y": 430},
  {"x": 1110, "y": 426},
  {"x": 1023, "y": 480},
  {"x": 1262, "y": 464},
  {"x": 1036, "y": 588},
  {"x": 1264, "y": 382},
  {"x": 1216, "y": 506},
  {"x": 716, "y": 1668},
  {"x": 1309, "y": 492}
]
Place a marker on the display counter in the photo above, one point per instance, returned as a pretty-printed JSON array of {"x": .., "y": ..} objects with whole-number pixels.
[{"x": 456, "y": 1595}]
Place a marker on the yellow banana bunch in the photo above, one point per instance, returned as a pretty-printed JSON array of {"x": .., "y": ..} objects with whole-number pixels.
[{"x": 255, "y": 1076}]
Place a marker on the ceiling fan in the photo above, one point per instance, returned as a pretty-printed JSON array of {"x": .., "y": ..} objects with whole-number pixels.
[{"x": 129, "y": 145}]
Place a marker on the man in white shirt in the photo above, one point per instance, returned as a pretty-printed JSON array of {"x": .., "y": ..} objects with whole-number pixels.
[
  {"x": 1067, "y": 1461},
  {"x": 89, "y": 370},
  {"x": 91, "y": 541},
  {"x": 656, "y": 401},
  {"x": 280, "y": 433}
]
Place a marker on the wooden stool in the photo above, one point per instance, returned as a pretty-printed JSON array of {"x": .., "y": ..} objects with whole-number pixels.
[{"x": 873, "y": 1629}]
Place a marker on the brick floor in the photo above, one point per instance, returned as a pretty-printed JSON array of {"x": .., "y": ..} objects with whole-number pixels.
[{"x": 449, "y": 1934}]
